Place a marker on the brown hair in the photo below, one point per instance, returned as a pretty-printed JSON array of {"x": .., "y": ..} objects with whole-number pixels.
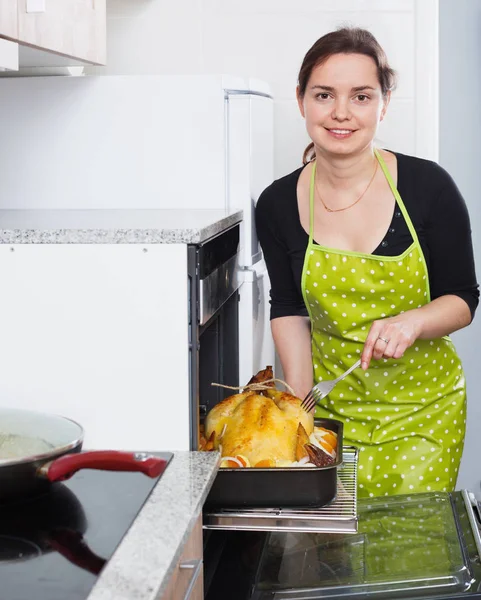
[{"x": 347, "y": 40}]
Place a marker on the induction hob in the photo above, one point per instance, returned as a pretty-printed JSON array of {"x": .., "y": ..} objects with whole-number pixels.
[{"x": 53, "y": 546}]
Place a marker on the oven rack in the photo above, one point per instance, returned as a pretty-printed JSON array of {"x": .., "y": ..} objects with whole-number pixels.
[{"x": 339, "y": 517}]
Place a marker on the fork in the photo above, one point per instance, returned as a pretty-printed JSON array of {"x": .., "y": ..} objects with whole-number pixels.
[{"x": 322, "y": 389}]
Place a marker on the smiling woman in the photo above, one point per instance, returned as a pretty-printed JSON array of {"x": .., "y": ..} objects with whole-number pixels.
[
  {"x": 344, "y": 70},
  {"x": 342, "y": 111},
  {"x": 369, "y": 255}
]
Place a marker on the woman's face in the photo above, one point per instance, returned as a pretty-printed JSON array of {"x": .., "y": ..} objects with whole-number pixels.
[{"x": 343, "y": 104}]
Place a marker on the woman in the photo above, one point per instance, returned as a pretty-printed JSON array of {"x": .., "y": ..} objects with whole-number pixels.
[{"x": 369, "y": 254}]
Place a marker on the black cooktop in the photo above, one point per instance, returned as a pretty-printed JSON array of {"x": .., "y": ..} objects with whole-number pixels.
[{"x": 53, "y": 546}]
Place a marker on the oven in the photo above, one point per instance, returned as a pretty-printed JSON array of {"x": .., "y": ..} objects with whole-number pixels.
[
  {"x": 422, "y": 546},
  {"x": 214, "y": 282}
]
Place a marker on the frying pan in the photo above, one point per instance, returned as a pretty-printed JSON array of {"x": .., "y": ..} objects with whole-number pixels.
[{"x": 37, "y": 449}]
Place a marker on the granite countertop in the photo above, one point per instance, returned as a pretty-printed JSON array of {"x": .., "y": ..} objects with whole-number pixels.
[
  {"x": 183, "y": 226},
  {"x": 141, "y": 566}
]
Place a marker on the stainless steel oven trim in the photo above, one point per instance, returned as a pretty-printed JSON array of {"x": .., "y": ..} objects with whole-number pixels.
[
  {"x": 193, "y": 303},
  {"x": 227, "y": 279},
  {"x": 217, "y": 288},
  {"x": 468, "y": 501}
]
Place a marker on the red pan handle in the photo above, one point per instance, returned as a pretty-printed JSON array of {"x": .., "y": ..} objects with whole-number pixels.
[
  {"x": 106, "y": 460},
  {"x": 73, "y": 547}
]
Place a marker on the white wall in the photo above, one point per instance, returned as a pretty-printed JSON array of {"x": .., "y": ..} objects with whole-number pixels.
[
  {"x": 460, "y": 149},
  {"x": 267, "y": 39}
]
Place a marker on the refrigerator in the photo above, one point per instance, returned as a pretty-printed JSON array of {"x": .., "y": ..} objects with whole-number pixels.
[{"x": 144, "y": 142}]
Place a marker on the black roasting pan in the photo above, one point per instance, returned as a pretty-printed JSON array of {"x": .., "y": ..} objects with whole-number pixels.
[{"x": 291, "y": 487}]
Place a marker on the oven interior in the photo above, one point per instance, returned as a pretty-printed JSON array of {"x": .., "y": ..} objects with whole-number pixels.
[{"x": 213, "y": 290}]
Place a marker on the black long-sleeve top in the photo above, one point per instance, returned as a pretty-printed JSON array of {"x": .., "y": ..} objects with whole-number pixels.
[{"x": 436, "y": 208}]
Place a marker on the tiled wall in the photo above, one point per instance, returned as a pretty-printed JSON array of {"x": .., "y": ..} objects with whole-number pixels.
[{"x": 267, "y": 39}]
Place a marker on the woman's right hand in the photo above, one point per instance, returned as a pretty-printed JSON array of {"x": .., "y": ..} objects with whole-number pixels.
[{"x": 391, "y": 337}]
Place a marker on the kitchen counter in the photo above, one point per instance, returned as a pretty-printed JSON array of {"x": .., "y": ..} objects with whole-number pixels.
[
  {"x": 144, "y": 561},
  {"x": 113, "y": 226}
]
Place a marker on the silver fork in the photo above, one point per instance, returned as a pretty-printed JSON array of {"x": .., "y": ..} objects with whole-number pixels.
[{"x": 323, "y": 388}]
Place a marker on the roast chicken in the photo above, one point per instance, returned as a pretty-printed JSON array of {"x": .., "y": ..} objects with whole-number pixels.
[{"x": 259, "y": 425}]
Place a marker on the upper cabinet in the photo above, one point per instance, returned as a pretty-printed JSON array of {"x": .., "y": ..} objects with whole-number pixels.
[
  {"x": 69, "y": 28},
  {"x": 8, "y": 18},
  {"x": 8, "y": 29}
]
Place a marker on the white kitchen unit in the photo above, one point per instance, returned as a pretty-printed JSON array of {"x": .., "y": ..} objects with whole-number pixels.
[
  {"x": 94, "y": 333},
  {"x": 69, "y": 28},
  {"x": 103, "y": 322},
  {"x": 147, "y": 142}
]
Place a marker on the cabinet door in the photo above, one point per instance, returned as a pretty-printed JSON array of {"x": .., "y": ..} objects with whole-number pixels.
[
  {"x": 75, "y": 28},
  {"x": 187, "y": 580},
  {"x": 8, "y": 19}
]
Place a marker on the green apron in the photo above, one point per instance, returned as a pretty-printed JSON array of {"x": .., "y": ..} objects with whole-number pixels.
[{"x": 406, "y": 415}]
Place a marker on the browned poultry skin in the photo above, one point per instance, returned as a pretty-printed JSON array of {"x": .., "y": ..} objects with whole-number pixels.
[
  {"x": 259, "y": 427},
  {"x": 224, "y": 409},
  {"x": 263, "y": 376}
]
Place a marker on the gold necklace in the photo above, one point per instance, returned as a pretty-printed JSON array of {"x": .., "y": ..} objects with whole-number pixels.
[{"x": 331, "y": 210}]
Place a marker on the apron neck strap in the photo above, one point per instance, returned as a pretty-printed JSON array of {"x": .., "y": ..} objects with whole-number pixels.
[
  {"x": 390, "y": 181},
  {"x": 397, "y": 196},
  {"x": 311, "y": 202}
]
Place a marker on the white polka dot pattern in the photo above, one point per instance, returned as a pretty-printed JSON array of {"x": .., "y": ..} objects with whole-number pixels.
[{"x": 407, "y": 415}]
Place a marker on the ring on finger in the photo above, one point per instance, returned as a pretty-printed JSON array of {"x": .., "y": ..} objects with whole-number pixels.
[{"x": 383, "y": 340}]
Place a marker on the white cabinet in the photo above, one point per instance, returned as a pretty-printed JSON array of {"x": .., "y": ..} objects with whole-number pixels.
[
  {"x": 95, "y": 330},
  {"x": 69, "y": 28}
]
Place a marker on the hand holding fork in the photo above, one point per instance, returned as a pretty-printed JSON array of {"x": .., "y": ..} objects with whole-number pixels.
[{"x": 323, "y": 388}]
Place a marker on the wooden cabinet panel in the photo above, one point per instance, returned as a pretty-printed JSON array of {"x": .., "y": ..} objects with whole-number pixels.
[
  {"x": 187, "y": 580},
  {"x": 9, "y": 18},
  {"x": 75, "y": 28}
]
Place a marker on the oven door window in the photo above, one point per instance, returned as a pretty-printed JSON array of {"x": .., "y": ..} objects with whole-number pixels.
[{"x": 404, "y": 544}]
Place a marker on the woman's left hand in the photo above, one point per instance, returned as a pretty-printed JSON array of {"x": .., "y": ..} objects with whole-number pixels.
[{"x": 389, "y": 338}]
